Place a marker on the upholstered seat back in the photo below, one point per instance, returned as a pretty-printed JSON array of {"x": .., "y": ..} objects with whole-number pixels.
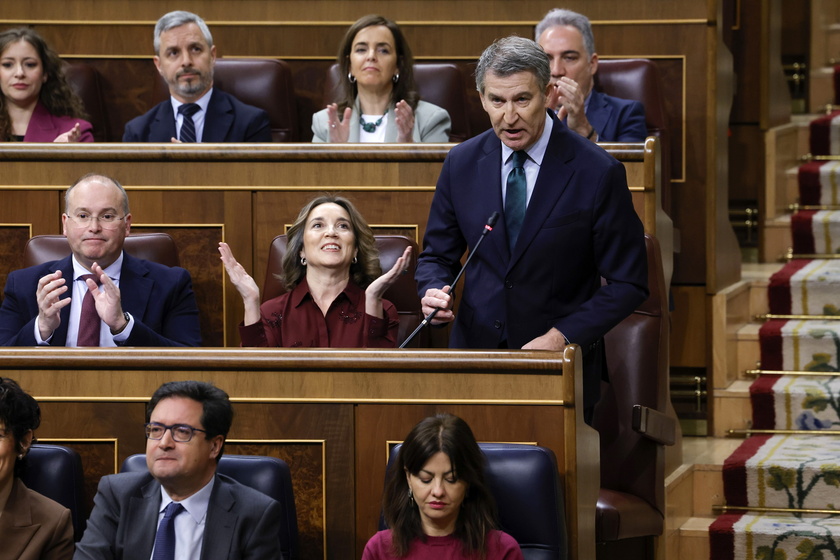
[
  {"x": 632, "y": 498},
  {"x": 639, "y": 79},
  {"x": 438, "y": 83},
  {"x": 56, "y": 472},
  {"x": 269, "y": 475},
  {"x": 529, "y": 497},
  {"x": 403, "y": 293},
  {"x": 83, "y": 79},
  {"x": 266, "y": 84},
  {"x": 155, "y": 247}
]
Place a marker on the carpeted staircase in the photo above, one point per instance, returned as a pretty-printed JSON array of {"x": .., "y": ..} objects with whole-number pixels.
[{"x": 782, "y": 489}]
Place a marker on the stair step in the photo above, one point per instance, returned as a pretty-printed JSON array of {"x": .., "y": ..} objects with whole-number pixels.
[
  {"x": 732, "y": 408},
  {"x": 693, "y": 541}
]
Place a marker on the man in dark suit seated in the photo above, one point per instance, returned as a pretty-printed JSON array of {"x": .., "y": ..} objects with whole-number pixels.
[
  {"x": 568, "y": 220},
  {"x": 181, "y": 505},
  {"x": 196, "y": 111},
  {"x": 567, "y": 38},
  {"x": 99, "y": 295}
]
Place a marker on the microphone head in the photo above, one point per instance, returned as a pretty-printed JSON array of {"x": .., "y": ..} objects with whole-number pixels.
[{"x": 493, "y": 219}]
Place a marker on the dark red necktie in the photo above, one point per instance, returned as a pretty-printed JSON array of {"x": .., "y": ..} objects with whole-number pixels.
[{"x": 89, "y": 321}]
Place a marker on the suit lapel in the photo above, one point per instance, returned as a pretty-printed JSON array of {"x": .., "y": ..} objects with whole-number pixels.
[
  {"x": 162, "y": 129},
  {"x": 135, "y": 286},
  {"x": 16, "y": 522},
  {"x": 552, "y": 180},
  {"x": 600, "y": 113},
  {"x": 489, "y": 199},
  {"x": 221, "y": 520},
  {"x": 142, "y": 518},
  {"x": 219, "y": 118}
]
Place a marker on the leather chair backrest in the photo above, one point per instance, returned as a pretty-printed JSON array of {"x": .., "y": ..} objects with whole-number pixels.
[
  {"x": 438, "y": 83},
  {"x": 83, "y": 79},
  {"x": 639, "y": 79},
  {"x": 263, "y": 83},
  {"x": 155, "y": 247},
  {"x": 403, "y": 293},
  {"x": 56, "y": 472},
  {"x": 529, "y": 497},
  {"x": 269, "y": 475},
  {"x": 638, "y": 362}
]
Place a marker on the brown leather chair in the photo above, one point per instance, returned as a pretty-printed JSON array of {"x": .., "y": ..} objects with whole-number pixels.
[
  {"x": 634, "y": 417},
  {"x": 638, "y": 79},
  {"x": 83, "y": 79},
  {"x": 155, "y": 247},
  {"x": 403, "y": 293},
  {"x": 263, "y": 83},
  {"x": 438, "y": 83}
]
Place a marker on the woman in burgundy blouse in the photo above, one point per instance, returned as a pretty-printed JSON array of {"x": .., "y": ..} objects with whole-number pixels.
[
  {"x": 36, "y": 103},
  {"x": 334, "y": 281}
]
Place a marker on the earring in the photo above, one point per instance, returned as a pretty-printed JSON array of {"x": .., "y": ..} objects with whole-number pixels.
[
  {"x": 351, "y": 77},
  {"x": 396, "y": 77},
  {"x": 303, "y": 261},
  {"x": 21, "y": 456},
  {"x": 355, "y": 260},
  {"x": 410, "y": 496}
]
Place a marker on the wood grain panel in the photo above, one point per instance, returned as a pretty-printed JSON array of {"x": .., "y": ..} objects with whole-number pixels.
[
  {"x": 324, "y": 411},
  {"x": 13, "y": 239}
]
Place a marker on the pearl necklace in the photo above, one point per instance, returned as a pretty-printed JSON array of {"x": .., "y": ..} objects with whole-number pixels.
[{"x": 370, "y": 127}]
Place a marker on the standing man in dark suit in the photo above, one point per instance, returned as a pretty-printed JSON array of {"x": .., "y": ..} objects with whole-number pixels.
[
  {"x": 196, "y": 111},
  {"x": 568, "y": 221},
  {"x": 136, "y": 302},
  {"x": 567, "y": 38},
  {"x": 182, "y": 506}
]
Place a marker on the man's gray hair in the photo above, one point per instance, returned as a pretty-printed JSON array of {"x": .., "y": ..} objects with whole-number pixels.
[
  {"x": 177, "y": 19},
  {"x": 558, "y": 17},
  {"x": 102, "y": 178},
  {"x": 512, "y": 55}
]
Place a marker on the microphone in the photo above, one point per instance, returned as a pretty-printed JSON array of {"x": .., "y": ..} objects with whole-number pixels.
[{"x": 488, "y": 227}]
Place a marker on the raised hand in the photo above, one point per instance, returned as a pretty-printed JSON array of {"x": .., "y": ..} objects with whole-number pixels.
[
  {"x": 244, "y": 284},
  {"x": 374, "y": 292},
  {"x": 47, "y": 294},
  {"x": 339, "y": 128},
  {"x": 405, "y": 122}
]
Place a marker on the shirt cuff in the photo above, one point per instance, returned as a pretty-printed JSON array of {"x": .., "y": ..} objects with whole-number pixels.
[{"x": 38, "y": 338}]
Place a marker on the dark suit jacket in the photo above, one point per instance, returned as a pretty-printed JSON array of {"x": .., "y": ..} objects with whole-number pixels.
[
  {"x": 159, "y": 298},
  {"x": 45, "y": 127},
  {"x": 35, "y": 527},
  {"x": 227, "y": 120},
  {"x": 579, "y": 226},
  {"x": 241, "y": 522},
  {"x": 615, "y": 119}
]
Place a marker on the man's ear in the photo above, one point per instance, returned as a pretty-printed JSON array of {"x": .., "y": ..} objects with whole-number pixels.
[{"x": 156, "y": 59}]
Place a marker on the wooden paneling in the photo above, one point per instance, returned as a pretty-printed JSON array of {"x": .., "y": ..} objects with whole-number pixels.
[
  {"x": 328, "y": 413},
  {"x": 246, "y": 195}
]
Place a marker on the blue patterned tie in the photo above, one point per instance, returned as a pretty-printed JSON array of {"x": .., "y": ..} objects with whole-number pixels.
[
  {"x": 516, "y": 197},
  {"x": 165, "y": 538},
  {"x": 188, "y": 126}
]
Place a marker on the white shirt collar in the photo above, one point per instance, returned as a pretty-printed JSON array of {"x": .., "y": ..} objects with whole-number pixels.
[
  {"x": 113, "y": 270},
  {"x": 196, "y": 505},
  {"x": 536, "y": 151},
  {"x": 202, "y": 102}
]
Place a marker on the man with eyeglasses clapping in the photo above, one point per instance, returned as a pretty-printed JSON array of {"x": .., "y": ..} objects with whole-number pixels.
[
  {"x": 99, "y": 295},
  {"x": 181, "y": 507}
]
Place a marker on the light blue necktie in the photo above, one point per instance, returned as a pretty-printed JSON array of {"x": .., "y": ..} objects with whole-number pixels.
[
  {"x": 516, "y": 197},
  {"x": 165, "y": 538}
]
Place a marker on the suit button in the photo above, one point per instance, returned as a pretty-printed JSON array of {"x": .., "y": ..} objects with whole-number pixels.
[
  {"x": 498, "y": 324},
  {"x": 508, "y": 284}
]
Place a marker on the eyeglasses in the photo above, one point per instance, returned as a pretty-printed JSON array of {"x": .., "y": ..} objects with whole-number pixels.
[
  {"x": 181, "y": 433},
  {"x": 106, "y": 221}
]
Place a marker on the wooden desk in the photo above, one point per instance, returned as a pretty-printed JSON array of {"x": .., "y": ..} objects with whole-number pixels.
[
  {"x": 247, "y": 194},
  {"x": 331, "y": 414}
]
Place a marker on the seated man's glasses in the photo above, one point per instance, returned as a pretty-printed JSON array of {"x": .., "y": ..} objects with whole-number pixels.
[
  {"x": 106, "y": 220},
  {"x": 181, "y": 433}
]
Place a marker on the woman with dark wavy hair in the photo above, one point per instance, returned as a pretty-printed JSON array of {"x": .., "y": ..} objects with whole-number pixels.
[
  {"x": 334, "y": 281},
  {"x": 436, "y": 501},
  {"x": 378, "y": 98},
  {"x": 37, "y": 104},
  {"x": 33, "y": 526}
]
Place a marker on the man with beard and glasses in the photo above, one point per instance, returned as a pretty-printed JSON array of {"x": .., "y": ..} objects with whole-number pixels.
[{"x": 196, "y": 111}]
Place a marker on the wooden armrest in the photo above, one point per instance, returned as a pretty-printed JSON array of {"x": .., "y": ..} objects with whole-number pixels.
[{"x": 654, "y": 425}]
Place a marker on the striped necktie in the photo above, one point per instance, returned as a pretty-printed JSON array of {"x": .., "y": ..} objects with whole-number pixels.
[{"x": 188, "y": 126}]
